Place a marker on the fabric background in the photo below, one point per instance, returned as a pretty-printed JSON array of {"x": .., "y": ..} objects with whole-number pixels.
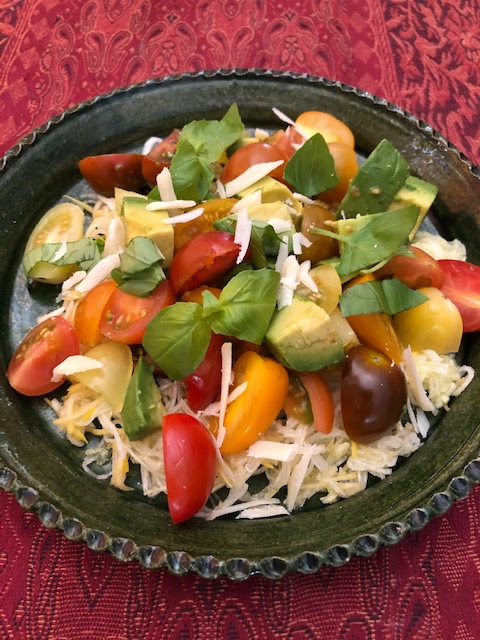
[{"x": 423, "y": 56}]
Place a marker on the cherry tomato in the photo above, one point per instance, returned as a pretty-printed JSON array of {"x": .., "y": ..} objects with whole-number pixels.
[
  {"x": 160, "y": 157},
  {"x": 125, "y": 317},
  {"x": 196, "y": 295},
  {"x": 203, "y": 259},
  {"x": 212, "y": 210},
  {"x": 346, "y": 167},
  {"x": 47, "y": 345},
  {"x": 189, "y": 455},
  {"x": 104, "y": 173},
  {"x": 321, "y": 400},
  {"x": 282, "y": 140},
  {"x": 297, "y": 403},
  {"x": 373, "y": 394},
  {"x": 416, "y": 272},
  {"x": 331, "y": 128},
  {"x": 89, "y": 313},
  {"x": 203, "y": 385},
  {"x": 249, "y": 155},
  {"x": 322, "y": 247},
  {"x": 462, "y": 287}
]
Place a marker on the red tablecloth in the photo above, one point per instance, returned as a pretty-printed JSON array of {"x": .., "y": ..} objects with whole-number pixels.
[{"x": 421, "y": 55}]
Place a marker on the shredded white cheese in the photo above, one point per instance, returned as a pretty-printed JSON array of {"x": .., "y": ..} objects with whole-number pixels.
[
  {"x": 220, "y": 189},
  {"x": 62, "y": 250},
  {"x": 271, "y": 450},
  {"x": 252, "y": 175},
  {"x": 98, "y": 273},
  {"x": 280, "y": 225},
  {"x": 225, "y": 384},
  {"x": 261, "y": 134},
  {"x": 116, "y": 237},
  {"x": 246, "y": 202},
  {"x": 303, "y": 199},
  {"x": 284, "y": 118},
  {"x": 74, "y": 279},
  {"x": 170, "y": 204},
  {"x": 282, "y": 254},
  {"x": 149, "y": 144},
  {"x": 74, "y": 364},
  {"x": 185, "y": 217},
  {"x": 305, "y": 277},
  {"x": 165, "y": 185},
  {"x": 243, "y": 231}
]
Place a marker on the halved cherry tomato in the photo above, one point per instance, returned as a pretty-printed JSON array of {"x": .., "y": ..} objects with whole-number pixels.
[
  {"x": 252, "y": 413},
  {"x": 416, "y": 272},
  {"x": 203, "y": 259},
  {"x": 104, "y": 173},
  {"x": 160, "y": 156},
  {"x": 89, "y": 313},
  {"x": 203, "y": 385},
  {"x": 346, "y": 168},
  {"x": 314, "y": 216},
  {"x": 282, "y": 141},
  {"x": 189, "y": 455},
  {"x": 331, "y": 128},
  {"x": 462, "y": 287},
  {"x": 321, "y": 400},
  {"x": 196, "y": 295},
  {"x": 47, "y": 345},
  {"x": 125, "y": 317},
  {"x": 212, "y": 210},
  {"x": 251, "y": 154}
]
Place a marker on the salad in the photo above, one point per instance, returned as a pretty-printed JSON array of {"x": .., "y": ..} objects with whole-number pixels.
[{"x": 251, "y": 318}]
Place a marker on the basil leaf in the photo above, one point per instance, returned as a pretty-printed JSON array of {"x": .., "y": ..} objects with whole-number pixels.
[
  {"x": 377, "y": 240},
  {"x": 263, "y": 239},
  {"x": 191, "y": 174},
  {"x": 142, "y": 283},
  {"x": 140, "y": 271},
  {"x": 245, "y": 306},
  {"x": 376, "y": 183},
  {"x": 84, "y": 253},
  {"x": 210, "y": 138},
  {"x": 311, "y": 169},
  {"x": 177, "y": 339},
  {"x": 380, "y": 296}
]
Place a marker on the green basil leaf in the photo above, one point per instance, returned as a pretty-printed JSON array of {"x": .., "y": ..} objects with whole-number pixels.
[
  {"x": 177, "y": 339},
  {"x": 379, "y": 296},
  {"x": 210, "y": 138},
  {"x": 377, "y": 240},
  {"x": 191, "y": 174},
  {"x": 140, "y": 253},
  {"x": 376, "y": 183},
  {"x": 263, "y": 239},
  {"x": 311, "y": 169},
  {"x": 84, "y": 253},
  {"x": 142, "y": 283},
  {"x": 245, "y": 306}
]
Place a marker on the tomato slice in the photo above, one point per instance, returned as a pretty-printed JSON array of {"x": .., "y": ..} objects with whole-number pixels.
[
  {"x": 203, "y": 259},
  {"x": 89, "y": 313},
  {"x": 321, "y": 400},
  {"x": 104, "y": 173},
  {"x": 282, "y": 140},
  {"x": 462, "y": 287},
  {"x": 251, "y": 154},
  {"x": 416, "y": 271},
  {"x": 203, "y": 385},
  {"x": 189, "y": 455},
  {"x": 47, "y": 345},
  {"x": 125, "y": 317},
  {"x": 160, "y": 157}
]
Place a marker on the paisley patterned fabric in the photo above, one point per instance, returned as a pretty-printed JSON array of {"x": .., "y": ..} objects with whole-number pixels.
[{"x": 423, "y": 56}]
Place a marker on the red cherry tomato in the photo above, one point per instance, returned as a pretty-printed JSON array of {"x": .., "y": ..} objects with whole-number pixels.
[
  {"x": 251, "y": 154},
  {"x": 416, "y": 272},
  {"x": 462, "y": 287},
  {"x": 104, "y": 173},
  {"x": 282, "y": 140},
  {"x": 203, "y": 259},
  {"x": 47, "y": 345},
  {"x": 189, "y": 455},
  {"x": 373, "y": 394},
  {"x": 321, "y": 400},
  {"x": 203, "y": 385},
  {"x": 160, "y": 156},
  {"x": 125, "y": 317}
]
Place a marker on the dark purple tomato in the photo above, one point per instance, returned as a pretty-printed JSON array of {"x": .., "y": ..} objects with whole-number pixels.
[{"x": 373, "y": 394}]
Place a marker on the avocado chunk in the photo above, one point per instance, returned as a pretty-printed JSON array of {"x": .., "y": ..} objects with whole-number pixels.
[
  {"x": 273, "y": 191},
  {"x": 241, "y": 142},
  {"x": 143, "y": 409},
  {"x": 141, "y": 222},
  {"x": 269, "y": 210},
  {"x": 418, "y": 192},
  {"x": 376, "y": 183},
  {"x": 120, "y": 194},
  {"x": 303, "y": 338}
]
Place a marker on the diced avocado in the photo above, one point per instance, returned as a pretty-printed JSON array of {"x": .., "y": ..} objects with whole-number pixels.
[
  {"x": 273, "y": 191},
  {"x": 418, "y": 192},
  {"x": 376, "y": 183},
  {"x": 141, "y": 222},
  {"x": 347, "y": 226},
  {"x": 143, "y": 409},
  {"x": 120, "y": 194},
  {"x": 241, "y": 142},
  {"x": 302, "y": 337},
  {"x": 270, "y": 210}
]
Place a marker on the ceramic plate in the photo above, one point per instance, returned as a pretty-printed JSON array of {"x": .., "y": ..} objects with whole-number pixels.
[{"x": 44, "y": 470}]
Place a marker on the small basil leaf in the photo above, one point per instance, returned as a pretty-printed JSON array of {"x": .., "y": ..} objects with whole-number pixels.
[
  {"x": 191, "y": 174},
  {"x": 142, "y": 283},
  {"x": 84, "y": 253},
  {"x": 311, "y": 169},
  {"x": 245, "y": 306},
  {"x": 140, "y": 271},
  {"x": 177, "y": 339},
  {"x": 382, "y": 296}
]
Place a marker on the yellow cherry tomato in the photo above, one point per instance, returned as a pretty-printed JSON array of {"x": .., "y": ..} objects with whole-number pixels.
[
  {"x": 252, "y": 413},
  {"x": 436, "y": 324},
  {"x": 331, "y": 128}
]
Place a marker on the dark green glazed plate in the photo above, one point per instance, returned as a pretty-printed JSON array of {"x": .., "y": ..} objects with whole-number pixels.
[{"x": 44, "y": 470}]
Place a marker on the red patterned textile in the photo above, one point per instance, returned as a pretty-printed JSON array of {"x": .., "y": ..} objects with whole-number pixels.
[{"x": 423, "y": 56}]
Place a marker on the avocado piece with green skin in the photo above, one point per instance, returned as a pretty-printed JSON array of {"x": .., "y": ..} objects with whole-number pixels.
[
  {"x": 303, "y": 338},
  {"x": 120, "y": 194},
  {"x": 143, "y": 408},
  {"x": 141, "y": 222},
  {"x": 418, "y": 192}
]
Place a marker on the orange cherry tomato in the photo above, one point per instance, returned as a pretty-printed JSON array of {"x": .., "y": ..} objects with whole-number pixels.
[
  {"x": 321, "y": 400},
  {"x": 346, "y": 168},
  {"x": 252, "y": 413},
  {"x": 89, "y": 313},
  {"x": 249, "y": 155},
  {"x": 331, "y": 128},
  {"x": 196, "y": 295},
  {"x": 212, "y": 210},
  {"x": 282, "y": 140},
  {"x": 104, "y": 173}
]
